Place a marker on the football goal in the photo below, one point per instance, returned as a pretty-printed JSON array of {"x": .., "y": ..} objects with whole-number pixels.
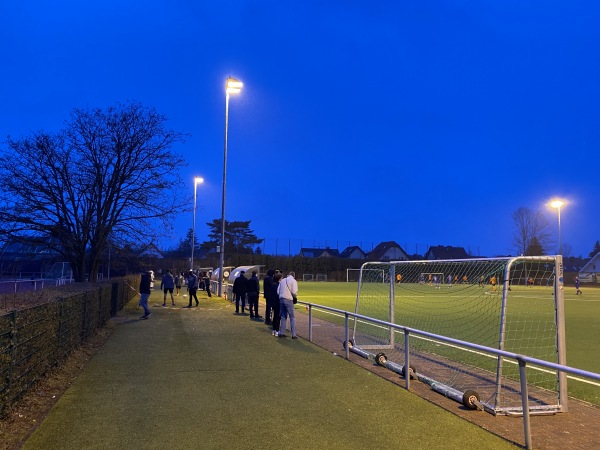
[
  {"x": 308, "y": 277},
  {"x": 492, "y": 303},
  {"x": 321, "y": 277}
]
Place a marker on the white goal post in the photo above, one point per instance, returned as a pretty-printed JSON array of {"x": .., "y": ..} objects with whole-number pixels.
[
  {"x": 493, "y": 303},
  {"x": 308, "y": 277}
]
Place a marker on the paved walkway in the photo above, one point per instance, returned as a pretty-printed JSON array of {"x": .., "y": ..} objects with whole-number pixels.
[{"x": 205, "y": 378}]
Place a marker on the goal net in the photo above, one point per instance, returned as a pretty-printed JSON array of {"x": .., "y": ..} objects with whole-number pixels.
[
  {"x": 432, "y": 278},
  {"x": 512, "y": 304},
  {"x": 377, "y": 275},
  {"x": 321, "y": 277},
  {"x": 308, "y": 277}
]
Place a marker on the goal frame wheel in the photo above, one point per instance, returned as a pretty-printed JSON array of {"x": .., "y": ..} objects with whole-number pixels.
[
  {"x": 412, "y": 370},
  {"x": 470, "y": 398},
  {"x": 380, "y": 358}
]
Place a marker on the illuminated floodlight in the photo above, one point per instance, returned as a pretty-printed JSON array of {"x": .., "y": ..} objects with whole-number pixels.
[
  {"x": 233, "y": 86},
  {"x": 557, "y": 203}
]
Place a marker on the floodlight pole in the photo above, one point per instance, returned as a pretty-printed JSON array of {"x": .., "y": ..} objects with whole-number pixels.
[
  {"x": 557, "y": 204},
  {"x": 232, "y": 86},
  {"x": 559, "y": 234},
  {"x": 197, "y": 180}
]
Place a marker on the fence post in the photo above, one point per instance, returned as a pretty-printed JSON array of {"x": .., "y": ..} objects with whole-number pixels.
[
  {"x": 13, "y": 348},
  {"x": 61, "y": 313},
  {"x": 85, "y": 313},
  {"x": 114, "y": 299},
  {"x": 100, "y": 320}
]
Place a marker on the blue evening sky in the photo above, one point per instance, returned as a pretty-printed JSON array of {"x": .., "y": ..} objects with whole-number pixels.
[{"x": 423, "y": 122}]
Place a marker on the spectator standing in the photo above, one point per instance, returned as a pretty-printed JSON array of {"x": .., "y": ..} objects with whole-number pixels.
[
  {"x": 206, "y": 279},
  {"x": 287, "y": 291},
  {"x": 192, "y": 288},
  {"x": 239, "y": 290},
  {"x": 151, "y": 273},
  {"x": 268, "y": 294},
  {"x": 145, "y": 294},
  {"x": 276, "y": 305},
  {"x": 167, "y": 284},
  {"x": 178, "y": 282},
  {"x": 252, "y": 291}
]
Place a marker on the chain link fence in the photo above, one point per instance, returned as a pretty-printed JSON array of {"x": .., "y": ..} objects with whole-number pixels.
[{"x": 34, "y": 339}]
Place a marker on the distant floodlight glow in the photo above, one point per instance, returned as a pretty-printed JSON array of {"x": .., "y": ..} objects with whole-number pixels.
[{"x": 557, "y": 203}]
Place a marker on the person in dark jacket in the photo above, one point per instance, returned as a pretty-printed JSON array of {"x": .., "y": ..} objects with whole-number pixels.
[
  {"x": 276, "y": 305},
  {"x": 252, "y": 291},
  {"x": 268, "y": 294},
  {"x": 239, "y": 290},
  {"x": 192, "y": 288},
  {"x": 206, "y": 279},
  {"x": 145, "y": 294}
]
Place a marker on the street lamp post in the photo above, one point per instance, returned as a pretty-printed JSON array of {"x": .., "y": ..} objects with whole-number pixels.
[
  {"x": 197, "y": 181},
  {"x": 557, "y": 204},
  {"x": 232, "y": 86}
]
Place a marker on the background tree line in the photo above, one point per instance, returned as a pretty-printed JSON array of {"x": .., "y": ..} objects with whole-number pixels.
[{"x": 103, "y": 183}]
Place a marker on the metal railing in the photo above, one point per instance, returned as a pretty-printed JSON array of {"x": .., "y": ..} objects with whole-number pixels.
[{"x": 521, "y": 360}]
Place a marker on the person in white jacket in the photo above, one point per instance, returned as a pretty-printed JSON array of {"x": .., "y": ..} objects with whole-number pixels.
[{"x": 287, "y": 291}]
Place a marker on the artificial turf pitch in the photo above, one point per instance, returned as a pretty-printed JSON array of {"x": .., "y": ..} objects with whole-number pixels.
[{"x": 205, "y": 378}]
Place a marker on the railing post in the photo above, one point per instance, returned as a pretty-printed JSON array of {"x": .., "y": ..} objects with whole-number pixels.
[
  {"x": 310, "y": 322},
  {"x": 525, "y": 402},
  {"x": 347, "y": 335},
  {"x": 406, "y": 359}
]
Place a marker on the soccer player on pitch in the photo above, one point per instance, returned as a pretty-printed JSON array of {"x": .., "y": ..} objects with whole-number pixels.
[{"x": 493, "y": 282}]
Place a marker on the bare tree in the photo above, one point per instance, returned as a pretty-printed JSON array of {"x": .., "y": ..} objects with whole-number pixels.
[
  {"x": 531, "y": 227},
  {"x": 107, "y": 173}
]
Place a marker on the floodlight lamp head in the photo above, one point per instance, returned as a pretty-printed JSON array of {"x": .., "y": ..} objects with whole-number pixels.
[
  {"x": 198, "y": 180},
  {"x": 233, "y": 86},
  {"x": 557, "y": 203}
]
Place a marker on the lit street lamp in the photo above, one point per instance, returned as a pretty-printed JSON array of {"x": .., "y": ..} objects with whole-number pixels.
[
  {"x": 232, "y": 86},
  {"x": 197, "y": 181},
  {"x": 557, "y": 204}
]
